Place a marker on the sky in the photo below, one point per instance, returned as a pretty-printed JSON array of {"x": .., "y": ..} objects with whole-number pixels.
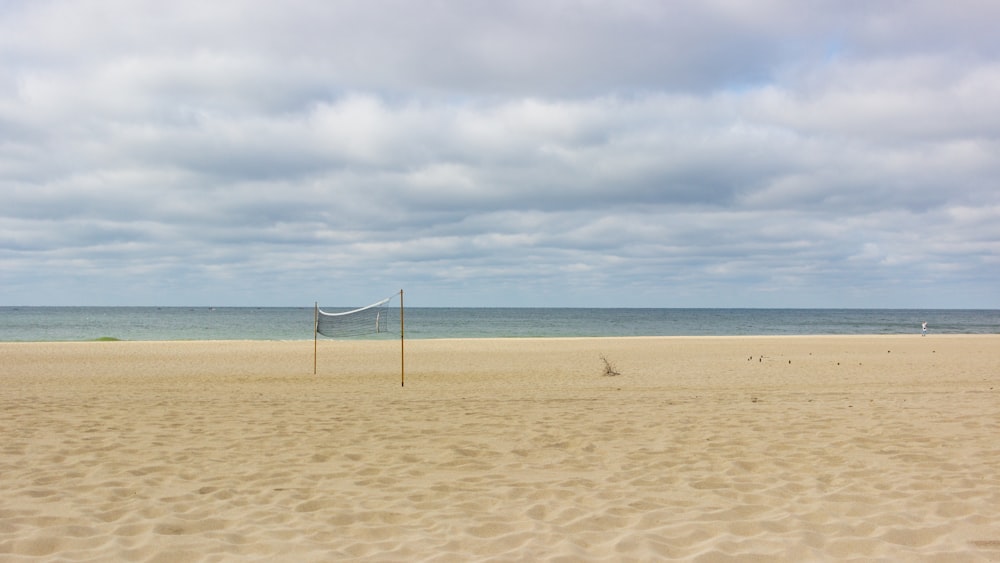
[{"x": 537, "y": 153}]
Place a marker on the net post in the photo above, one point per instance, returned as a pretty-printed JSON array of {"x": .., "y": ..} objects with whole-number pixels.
[
  {"x": 402, "y": 356},
  {"x": 315, "y": 333}
]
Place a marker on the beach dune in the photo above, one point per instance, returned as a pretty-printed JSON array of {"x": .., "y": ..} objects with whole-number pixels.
[{"x": 704, "y": 449}]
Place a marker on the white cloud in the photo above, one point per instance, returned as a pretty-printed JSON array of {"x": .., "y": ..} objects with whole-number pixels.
[{"x": 482, "y": 153}]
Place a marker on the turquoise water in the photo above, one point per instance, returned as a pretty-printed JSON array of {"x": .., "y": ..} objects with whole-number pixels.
[{"x": 296, "y": 323}]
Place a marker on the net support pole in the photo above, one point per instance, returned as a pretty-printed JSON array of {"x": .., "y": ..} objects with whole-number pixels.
[
  {"x": 402, "y": 356},
  {"x": 315, "y": 333}
]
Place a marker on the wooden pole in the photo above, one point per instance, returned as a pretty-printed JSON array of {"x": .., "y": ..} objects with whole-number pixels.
[
  {"x": 315, "y": 332},
  {"x": 402, "y": 356}
]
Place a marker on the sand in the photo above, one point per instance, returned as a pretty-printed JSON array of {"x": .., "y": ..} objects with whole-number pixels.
[{"x": 705, "y": 449}]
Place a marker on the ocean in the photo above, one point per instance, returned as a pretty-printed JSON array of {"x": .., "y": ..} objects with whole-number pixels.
[{"x": 28, "y": 324}]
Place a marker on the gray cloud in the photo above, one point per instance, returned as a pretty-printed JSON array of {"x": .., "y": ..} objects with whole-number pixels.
[{"x": 517, "y": 153}]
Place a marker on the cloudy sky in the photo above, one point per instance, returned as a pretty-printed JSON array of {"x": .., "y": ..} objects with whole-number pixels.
[{"x": 704, "y": 153}]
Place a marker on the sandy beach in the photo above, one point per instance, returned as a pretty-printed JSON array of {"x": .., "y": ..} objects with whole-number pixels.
[{"x": 811, "y": 448}]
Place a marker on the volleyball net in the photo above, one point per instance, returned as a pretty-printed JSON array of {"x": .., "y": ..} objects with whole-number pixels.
[{"x": 382, "y": 318}]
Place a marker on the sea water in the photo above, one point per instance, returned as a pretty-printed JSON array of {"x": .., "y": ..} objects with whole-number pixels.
[{"x": 296, "y": 323}]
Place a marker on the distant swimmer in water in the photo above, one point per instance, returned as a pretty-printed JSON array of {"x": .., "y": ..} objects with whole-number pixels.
[{"x": 923, "y": 329}]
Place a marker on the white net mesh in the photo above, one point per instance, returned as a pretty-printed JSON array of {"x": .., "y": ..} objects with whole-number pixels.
[{"x": 381, "y": 318}]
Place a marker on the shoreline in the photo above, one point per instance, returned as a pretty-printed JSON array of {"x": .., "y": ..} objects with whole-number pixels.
[
  {"x": 786, "y": 448},
  {"x": 556, "y": 338}
]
